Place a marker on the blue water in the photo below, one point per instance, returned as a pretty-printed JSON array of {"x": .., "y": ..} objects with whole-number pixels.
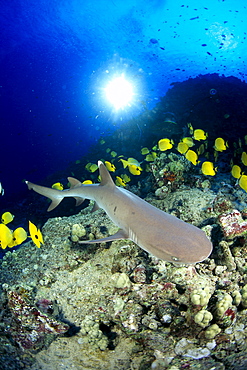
[{"x": 57, "y": 56}]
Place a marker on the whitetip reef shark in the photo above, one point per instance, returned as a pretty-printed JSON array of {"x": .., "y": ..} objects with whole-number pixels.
[{"x": 159, "y": 233}]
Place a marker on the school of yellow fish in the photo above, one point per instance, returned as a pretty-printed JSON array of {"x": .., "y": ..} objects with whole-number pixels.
[
  {"x": 10, "y": 239},
  {"x": 199, "y": 156}
]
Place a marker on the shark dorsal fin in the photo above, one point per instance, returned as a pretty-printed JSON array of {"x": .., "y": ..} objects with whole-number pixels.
[
  {"x": 105, "y": 176},
  {"x": 74, "y": 183}
]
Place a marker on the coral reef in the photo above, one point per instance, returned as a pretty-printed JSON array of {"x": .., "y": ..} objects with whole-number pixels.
[
  {"x": 28, "y": 326},
  {"x": 125, "y": 308},
  {"x": 232, "y": 224}
]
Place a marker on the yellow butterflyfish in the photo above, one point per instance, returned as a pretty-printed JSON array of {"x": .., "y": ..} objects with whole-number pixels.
[
  {"x": 236, "y": 171},
  {"x": 200, "y": 134},
  {"x": 7, "y": 217},
  {"x": 91, "y": 167},
  {"x": 134, "y": 170},
  {"x": 243, "y": 182},
  {"x": 190, "y": 127},
  {"x": 165, "y": 144},
  {"x": 144, "y": 151},
  {"x": 192, "y": 157},
  {"x": 125, "y": 178},
  {"x": 19, "y": 236},
  {"x": 35, "y": 234},
  {"x": 6, "y": 236},
  {"x": 244, "y": 158},
  {"x": 182, "y": 147},
  {"x": 110, "y": 166},
  {"x": 208, "y": 168},
  {"x": 220, "y": 144},
  {"x": 133, "y": 165},
  {"x": 216, "y": 155},
  {"x": 119, "y": 181},
  {"x": 87, "y": 182},
  {"x": 57, "y": 186},
  {"x": 201, "y": 149},
  {"x": 113, "y": 153},
  {"x": 151, "y": 157},
  {"x": 188, "y": 140}
]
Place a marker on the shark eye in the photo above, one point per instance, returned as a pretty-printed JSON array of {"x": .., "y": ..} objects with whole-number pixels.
[{"x": 175, "y": 259}]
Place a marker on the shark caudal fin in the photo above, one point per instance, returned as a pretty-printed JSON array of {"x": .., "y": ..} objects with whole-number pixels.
[{"x": 56, "y": 196}]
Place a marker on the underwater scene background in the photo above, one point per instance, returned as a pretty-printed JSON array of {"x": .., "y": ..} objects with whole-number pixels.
[{"x": 177, "y": 138}]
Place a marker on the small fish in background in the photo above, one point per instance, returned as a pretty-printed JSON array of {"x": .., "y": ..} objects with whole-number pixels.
[
  {"x": 110, "y": 166},
  {"x": 244, "y": 158},
  {"x": 200, "y": 134},
  {"x": 216, "y": 155},
  {"x": 165, "y": 144},
  {"x": 6, "y": 236},
  {"x": 201, "y": 149},
  {"x": 7, "y": 217},
  {"x": 1, "y": 189},
  {"x": 188, "y": 140},
  {"x": 35, "y": 234},
  {"x": 57, "y": 186},
  {"x": 182, "y": 147},
  {"x": 87, "y": 182},
  {"x": 119, "y": 181},
  {"x": 113, "y": 153},
  {"x": 208, "y": 169},
  {"x": 145, "y": 151},
  {"x": 190, "y": 127},
  {"x": 151, "y": 157},
  {"x": 220, "y": 144},
  {"x": 125, "y": 178},
  {"x": 91, "y": 167},
  {"x": 192, "y": 157},
  {"x": 169, "y": 117}
]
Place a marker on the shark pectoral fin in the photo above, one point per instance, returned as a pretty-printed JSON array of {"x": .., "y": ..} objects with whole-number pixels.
[{"x": 120, "y": 234}]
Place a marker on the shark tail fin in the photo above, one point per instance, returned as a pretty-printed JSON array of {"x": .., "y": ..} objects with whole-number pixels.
[{"x": 56, "y": 196}]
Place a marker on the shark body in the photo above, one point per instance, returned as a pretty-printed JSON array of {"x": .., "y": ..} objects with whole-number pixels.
[{"x": 157, "y": 232}]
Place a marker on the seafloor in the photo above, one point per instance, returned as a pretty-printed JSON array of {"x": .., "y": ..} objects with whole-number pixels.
[{"x": 114, "y": 306}]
